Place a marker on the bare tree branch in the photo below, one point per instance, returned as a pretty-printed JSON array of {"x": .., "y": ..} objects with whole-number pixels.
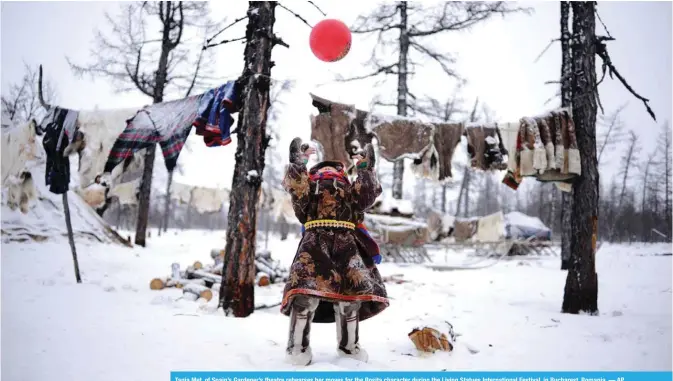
[
  {"x": 316, "y": 7},
  {"x": 223, "y": 42},
  {"x": 388, "y": 69},
  {"x": 545, "y": 49},
  {"x": 25, "y": 99},
  {"x": 602, "y": 52},
  {"x": 460, "y": 15},
  {"x": 226, "y": 27},
  {"x": 615, "y": 126},
  {"x": 443, "y": 60},
  {"x": 129, "y": 55},
  {"x": 295, "y": 14}
]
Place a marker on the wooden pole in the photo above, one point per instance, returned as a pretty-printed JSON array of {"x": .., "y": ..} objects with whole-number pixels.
[{"x": 71, "y": 238}]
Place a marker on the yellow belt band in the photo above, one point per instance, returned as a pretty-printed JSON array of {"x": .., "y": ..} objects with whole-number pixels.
[{"x": 329, "y": 224}]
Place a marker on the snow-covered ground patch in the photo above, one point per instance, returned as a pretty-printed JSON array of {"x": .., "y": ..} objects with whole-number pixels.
[{"x": 507, "y": 315}]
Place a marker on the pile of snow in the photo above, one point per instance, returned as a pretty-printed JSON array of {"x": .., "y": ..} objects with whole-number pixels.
[
  {"x": 388, "y": 205},
  {"x": 523, "y": 220},
  {"x": 519, "y": 225},
  {"x": 500, "y": 322}
]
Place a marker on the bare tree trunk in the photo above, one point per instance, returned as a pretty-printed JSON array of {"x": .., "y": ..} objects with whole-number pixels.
[
  {"x": 566, "y": 99},
  {"x": 581, "y": 290},
  {"x": 167, "y": 207},
  {"x": 444, "y": 188},
  {"x": 144, "y": 197},
  {"x": 627, "y": 165},
  {"x": 466, "y": 206},
  {"x": 167, "y": 45},
  {"x": 238, "y": 278},
  {"x": 402, "y": 90},
  {"x": 71, "y": 238},
  {"x": 189, "y": 210}
]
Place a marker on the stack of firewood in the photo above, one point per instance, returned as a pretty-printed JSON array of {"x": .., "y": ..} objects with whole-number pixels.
[{"x": 199, "y": 281}]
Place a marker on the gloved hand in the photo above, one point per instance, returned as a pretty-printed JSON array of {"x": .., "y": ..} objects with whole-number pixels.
[
  {"x": 377, "y": 259},
  {"x": 367, "y": 158},
  {"x": 299, "y": 153}
]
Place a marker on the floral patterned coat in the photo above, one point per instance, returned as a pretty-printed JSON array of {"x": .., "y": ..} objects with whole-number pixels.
[{"x": 333, "y": 264}]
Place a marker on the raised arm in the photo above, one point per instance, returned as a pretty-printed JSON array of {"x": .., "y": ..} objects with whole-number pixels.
[
  {"x": 296, "y": 180},
  {"x": 366, "y": 187}
]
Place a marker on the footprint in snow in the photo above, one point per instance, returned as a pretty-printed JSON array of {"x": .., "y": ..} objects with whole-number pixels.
[{"x": 109, "y": 289}]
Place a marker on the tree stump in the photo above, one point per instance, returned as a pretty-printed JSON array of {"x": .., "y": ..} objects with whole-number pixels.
[{"x": 157, "y": 284}]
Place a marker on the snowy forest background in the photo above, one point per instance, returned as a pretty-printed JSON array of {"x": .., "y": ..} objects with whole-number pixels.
[{"x": 635, "y": 204}]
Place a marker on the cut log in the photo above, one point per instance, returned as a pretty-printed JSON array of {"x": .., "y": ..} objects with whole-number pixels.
[
  {"x": 264, "y": 254},
  {"x": 217, "y": 269},
  {"x": 180, "y": 283},
  {"x": 189, "y": 296},
  {"x": 214, "y": 253},
  {"x": 200, "y": 291},
  {"x": 175, "y": 270},
  {"x": 263, "y": 279},
  {"x": 197, "y": 265},
  {"x": 207, "y": 295},
  {"x": 157, "y": 284},
  {"x": 200, "y": 274}
]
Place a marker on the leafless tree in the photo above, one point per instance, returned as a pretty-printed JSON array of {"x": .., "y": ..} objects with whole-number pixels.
[
  {"x": 148, "y": 50},
  {"x": 664, "y": 170},
  {"x": 21, "y": 101},
  {"x": 612, "y": 133},
  {"x": 566, "y": 101},
  {"x": 646, "y": 175},
  {"x": 581, "y": 290},
  {"x": 464, "y": 195},
  {"x": 405, "y": 29},
  {"x": 628, "y": 163},
  {"x": 238, "y": 277},
  {"x": 273, "y": 169}
]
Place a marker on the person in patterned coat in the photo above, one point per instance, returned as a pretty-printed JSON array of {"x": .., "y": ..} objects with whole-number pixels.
[{"x": 333, "y": 278}]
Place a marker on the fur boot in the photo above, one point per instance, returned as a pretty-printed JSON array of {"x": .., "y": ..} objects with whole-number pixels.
[
  {"x": 348, "y": 323},
  {"x": 298, "y": 348}
]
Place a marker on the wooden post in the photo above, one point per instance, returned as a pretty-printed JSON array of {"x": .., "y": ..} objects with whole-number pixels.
[{"x": 71, "y": 238}]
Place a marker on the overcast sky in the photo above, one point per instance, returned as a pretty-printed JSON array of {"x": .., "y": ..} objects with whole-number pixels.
[{"x": 496, "y": 57}]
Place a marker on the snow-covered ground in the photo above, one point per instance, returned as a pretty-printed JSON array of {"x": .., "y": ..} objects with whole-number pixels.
[{"x": 114, "y": 327}]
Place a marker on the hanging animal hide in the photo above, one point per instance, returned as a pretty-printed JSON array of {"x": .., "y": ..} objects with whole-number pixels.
[
  {"x": 447, "y": 137},
  {"x": 334, "y": 121},
  {"x": 401, "y": 138},
  {"x": 485, "y": 147}
]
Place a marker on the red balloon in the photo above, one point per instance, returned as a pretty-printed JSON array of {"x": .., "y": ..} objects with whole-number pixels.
[{"x": 330, "y": 40}]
